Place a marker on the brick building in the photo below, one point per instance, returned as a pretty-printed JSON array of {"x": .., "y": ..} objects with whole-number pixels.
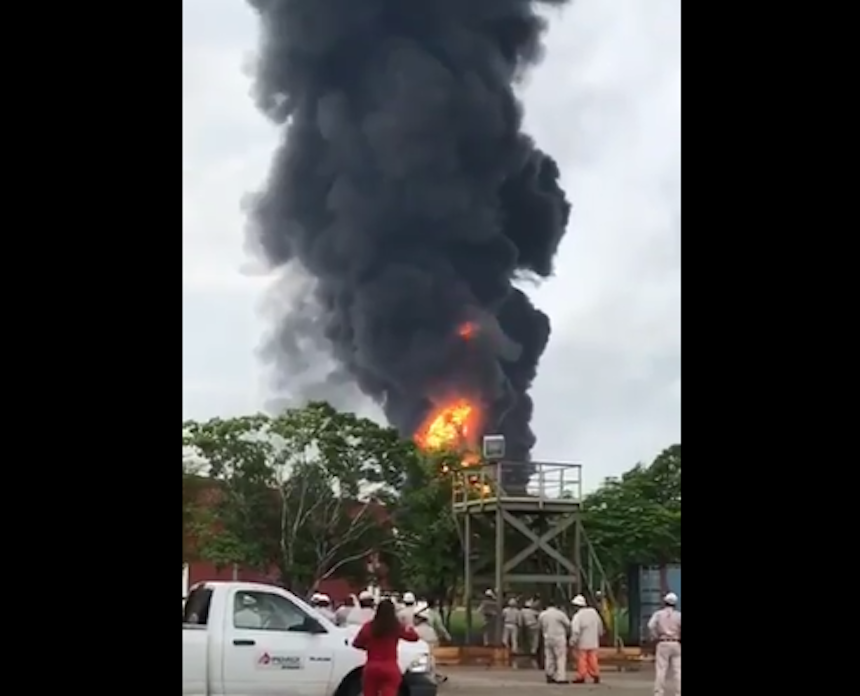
[{"x": 196, "y": 570}]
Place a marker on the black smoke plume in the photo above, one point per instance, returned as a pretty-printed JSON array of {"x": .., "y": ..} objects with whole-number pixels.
[{"x": 405, "y": 187}]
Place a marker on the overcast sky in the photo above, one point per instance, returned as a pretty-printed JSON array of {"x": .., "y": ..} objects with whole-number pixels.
[{"x": 606, "y": 103}]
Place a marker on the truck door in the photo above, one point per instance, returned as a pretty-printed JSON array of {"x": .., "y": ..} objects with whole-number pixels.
[{"x": 270, "y": 651}]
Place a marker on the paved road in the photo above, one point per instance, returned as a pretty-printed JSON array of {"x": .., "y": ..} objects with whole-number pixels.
[{"x": 464, "y": 681}]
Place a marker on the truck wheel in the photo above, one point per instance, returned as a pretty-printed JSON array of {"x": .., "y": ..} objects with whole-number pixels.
[{"x": 351, "y": 686}]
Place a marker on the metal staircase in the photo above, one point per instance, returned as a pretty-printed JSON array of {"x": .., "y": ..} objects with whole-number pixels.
[{"x": 594, "y": 581}]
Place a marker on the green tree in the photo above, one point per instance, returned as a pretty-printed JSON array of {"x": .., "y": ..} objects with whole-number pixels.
[
  {"x": 636, "y": 518},
  {"x": 236, "y": 524},
  {"x": 427, "y": 555},
  {"x": 192, "y": 487},
  {"x": 296, "y": 491}
]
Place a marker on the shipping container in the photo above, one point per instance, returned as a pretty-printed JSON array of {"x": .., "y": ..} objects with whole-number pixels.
[{"x": 647, "y": 585}]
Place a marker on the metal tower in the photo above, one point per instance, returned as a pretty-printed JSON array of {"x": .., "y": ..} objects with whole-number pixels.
[{"x": 546, "y": 552}]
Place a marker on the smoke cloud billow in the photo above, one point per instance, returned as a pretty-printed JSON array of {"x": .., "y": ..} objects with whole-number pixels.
[{"x": 405, "y": 187}]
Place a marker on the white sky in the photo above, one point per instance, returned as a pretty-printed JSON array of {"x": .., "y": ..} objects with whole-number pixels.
[{"x": 606, "y": 103}]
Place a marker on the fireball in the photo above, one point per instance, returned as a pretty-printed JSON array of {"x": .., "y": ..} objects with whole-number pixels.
[{"x": 452, "y": 425}]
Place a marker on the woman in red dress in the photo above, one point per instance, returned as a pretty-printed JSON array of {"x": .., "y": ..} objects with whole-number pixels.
[{"x": 379, "y": 638}]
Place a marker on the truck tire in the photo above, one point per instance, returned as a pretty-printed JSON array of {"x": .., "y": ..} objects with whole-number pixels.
[{"x": 351, "y": 685}]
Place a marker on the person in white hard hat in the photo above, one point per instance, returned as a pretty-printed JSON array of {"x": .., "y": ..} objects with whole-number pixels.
[
  {"x": 489, "y": 611},
  {"x": 511, "y": 623},
  {"x": 322, "y": 603},
  {"x": 585, "y": 632},
  {"x": 554, "y": 626},
  {"x": 406, "y": 613},
  {"x": 665, "y": 628},
  {"x": 529, "y": 619},
  {"x": 343, "y": 610},
  {"x": 360, "y": 615}
]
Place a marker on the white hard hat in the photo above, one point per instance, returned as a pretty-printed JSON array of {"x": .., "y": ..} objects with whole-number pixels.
[
  {"x": 248, "y": 600},
  {"x": 315, "y": 597},
  {"x": 365, "y": 595},
  {"x": 512, "y": 602},
  {"x": 490, "y": 593},
  {"x": 578, "y": 601},
  {"x": 671, "y": 598},
  {"x": 408, "y": 598},
  {"x": 324, "y": 598},
  {"x": 528, "y": 603}
]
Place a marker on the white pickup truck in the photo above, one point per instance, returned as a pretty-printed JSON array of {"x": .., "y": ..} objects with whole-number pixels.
[{"x": 248, "y": 639}]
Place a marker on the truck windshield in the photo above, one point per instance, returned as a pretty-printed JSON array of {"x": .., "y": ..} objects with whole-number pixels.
[{"x": 196, "y": 609}]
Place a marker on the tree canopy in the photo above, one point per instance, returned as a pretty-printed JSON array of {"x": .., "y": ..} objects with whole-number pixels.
[
  {"x": 636, "y": 518},
  {"x": 314, "y": 492}
]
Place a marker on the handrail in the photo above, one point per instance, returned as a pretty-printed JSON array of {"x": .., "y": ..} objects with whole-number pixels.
[
  {"x": 546, "y": 482},
  {"x": 605, "y": 586}
]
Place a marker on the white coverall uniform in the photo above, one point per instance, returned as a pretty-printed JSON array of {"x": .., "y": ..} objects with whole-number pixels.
[
  {"x": 327, "y": 612},
  {"x": 665, "y": 628},
  {"x": 406, "y": 614},
  {"x": 585, "y": 632},
  {"x": 489, "y": 610},
  {"x": 511, "y": 621},
  {"x": 247, "y": 618},
  {"x": 427, "y": 633},
  {"x": 429, "y": 627},
  {"x": 554, "y": 625},
  {"x": 358, "y": 616},
  {"x": 529, "y": 619},
  {"x": 341, "y": 613}
]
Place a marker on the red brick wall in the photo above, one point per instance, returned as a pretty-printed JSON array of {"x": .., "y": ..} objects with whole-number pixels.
[{"x": 199, "y": 571}]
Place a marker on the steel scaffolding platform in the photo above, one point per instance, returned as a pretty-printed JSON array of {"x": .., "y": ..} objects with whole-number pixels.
[{"x": 545, "y": 512}]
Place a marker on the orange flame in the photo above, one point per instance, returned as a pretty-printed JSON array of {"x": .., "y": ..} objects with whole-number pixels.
[
  {"x": 467, "y": 331},
  {"x": 471, "y": 459},
  {"x": 452, "y": 425}
]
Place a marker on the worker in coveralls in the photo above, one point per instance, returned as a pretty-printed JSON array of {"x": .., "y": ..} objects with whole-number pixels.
[
  {"x": 511, "y": 623},
  {"x": 665, "y": 628},
  {"x": 322, "y": 603},
  {"x": 343, "y": 610},
  {"x": 554, "y": 626},
  {"x": 363, "y": 613},
  {"x": 430, "y": 629},
  {"x": 489, "y": 610},
  {"x": 406, "y": 613},
  {"x": 531, "y": 629},
  {"x": 585, "y": 632},
  {"x": 379, "y": 637}
]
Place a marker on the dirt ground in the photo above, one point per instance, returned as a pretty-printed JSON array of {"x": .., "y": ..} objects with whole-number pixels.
[{"x": 477, "y": 681}]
